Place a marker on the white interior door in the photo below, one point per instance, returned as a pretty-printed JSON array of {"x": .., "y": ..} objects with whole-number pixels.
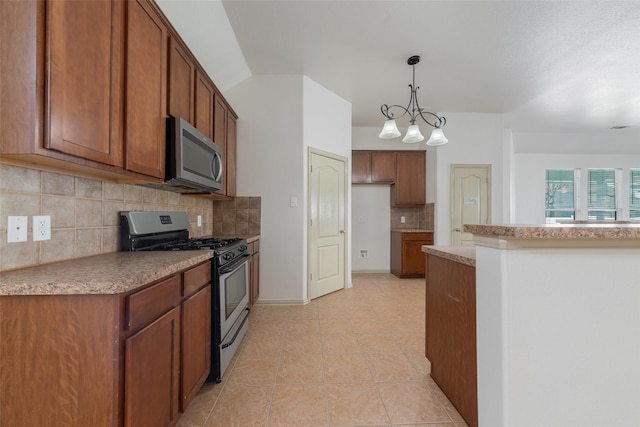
[
  {"x": 327, "y": 215},
  {"x": 471, "y": 200}
]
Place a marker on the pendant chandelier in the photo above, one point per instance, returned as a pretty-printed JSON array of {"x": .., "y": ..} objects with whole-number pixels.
[{"x": 390, "y": 129}]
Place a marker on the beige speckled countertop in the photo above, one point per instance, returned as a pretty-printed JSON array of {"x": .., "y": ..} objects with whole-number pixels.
[
  {"x": 412, "y": 230},
  {"x": 558, "y": 231},
  {"x": 111, "y": 273},
  {"x": 462, "y": 254}
]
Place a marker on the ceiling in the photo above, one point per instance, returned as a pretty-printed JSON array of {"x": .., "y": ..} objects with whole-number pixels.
[{"x": 549, "y": 66}]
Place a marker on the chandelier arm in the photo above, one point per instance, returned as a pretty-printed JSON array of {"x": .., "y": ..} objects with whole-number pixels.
[
  {"x": 438, "y": 123},
  {"x": 385, "y": 110}
]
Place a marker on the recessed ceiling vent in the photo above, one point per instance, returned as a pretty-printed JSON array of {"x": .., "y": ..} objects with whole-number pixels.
[{"x": 621, "y": 127}]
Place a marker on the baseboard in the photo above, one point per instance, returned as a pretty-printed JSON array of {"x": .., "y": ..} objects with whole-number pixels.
[
  {"x": 370, "y": 271},
  {"x": 281, "y": 302}
]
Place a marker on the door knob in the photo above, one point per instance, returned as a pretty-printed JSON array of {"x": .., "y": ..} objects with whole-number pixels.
[
  {"x": 456, "y": 229},
  {"x": 341, "y": 231}
]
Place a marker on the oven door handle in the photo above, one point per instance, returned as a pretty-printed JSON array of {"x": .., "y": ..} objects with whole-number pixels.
[
  {"x": 235, "y": 264},
  {"x": 238, "y": 329}
]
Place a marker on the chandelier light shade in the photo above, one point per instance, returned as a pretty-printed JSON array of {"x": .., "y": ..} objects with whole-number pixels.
[
  {"x": 389, "y": 130},
  {"x": 437, "y": 138},
  {"x": 413, "y": 135}
]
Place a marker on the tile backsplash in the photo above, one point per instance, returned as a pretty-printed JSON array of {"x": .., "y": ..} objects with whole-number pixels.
[
  {"x": 240, "y": 216},
  {"x": 421, "y": 217},
  {"x": 84, "y": 213}
]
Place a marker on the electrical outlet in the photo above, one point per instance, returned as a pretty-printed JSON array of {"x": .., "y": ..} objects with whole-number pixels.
[
  {"x": 402, "y": 220},
  {"x": 16, "y": 229},
  {"x": 364, "y": 253},
  {"x": 41, "y": 227},
  {"x": 199, "y": 221}
]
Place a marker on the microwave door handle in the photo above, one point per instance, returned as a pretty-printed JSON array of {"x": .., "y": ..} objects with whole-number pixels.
[{"x": 216, "y": 159}]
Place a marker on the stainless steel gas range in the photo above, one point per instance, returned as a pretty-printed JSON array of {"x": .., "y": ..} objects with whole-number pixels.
[{"x": 169, "y": 231}]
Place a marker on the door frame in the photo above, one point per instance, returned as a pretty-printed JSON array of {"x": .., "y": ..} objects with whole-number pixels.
[
  {"x": 452, "y": 169},
  {"x": 314, "y": 151}
]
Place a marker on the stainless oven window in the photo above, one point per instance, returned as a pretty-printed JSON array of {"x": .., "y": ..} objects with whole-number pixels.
[{"x": 234, "y": 290}]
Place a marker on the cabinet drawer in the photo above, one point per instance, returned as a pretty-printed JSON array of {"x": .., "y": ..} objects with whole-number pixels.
[
  {"x": 418, "y": 236},
  {"x": 150, "y": 303},
  {"x": 196, "y": 278}
]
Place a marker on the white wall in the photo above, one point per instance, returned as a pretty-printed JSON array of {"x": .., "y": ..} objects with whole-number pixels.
[
  {"x": 371, "y": 228},
  {"x": 326, "y": 127},
  {"x": 270, "y": 164},
  {"x": 279, "y": 118},
  {"x": 473, "y": 139}
]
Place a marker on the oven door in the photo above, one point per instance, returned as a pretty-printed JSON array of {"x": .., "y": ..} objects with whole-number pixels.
[{"x": 234, "y": 293}]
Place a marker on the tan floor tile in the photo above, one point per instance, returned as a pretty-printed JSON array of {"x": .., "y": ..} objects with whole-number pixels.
[
  {"x": 367, "y": 326},
  {"x": 307, "y": 311},
  {"x": 411, "y": 402},
  {"x": 404, "y": 325},
  {"x": 414, "y": 343},
  {"x": 391, "y": 367},
  {"x": 302, "y": 405},
  {"x": 295, "y": 344},
  {"x": 271, "y": 312},
  {"x": 378, "y": 343},
  {"x": 303, "y": 326},
  {"x": 333, "y": 312},
  {"x": 308, "y": 368},
  {"x": 241, "y": 405},
  {"x": 340, "y": 343},
  {"x": 200, "y": 407},
  {"x": 269, "y": 326},
  {"x": 335, "y": 326},
  {"x": 420, "y": 363},
  {"x": 357, "y": 403},
  {"x": 346, "y": 368},
  {"x": 258, "y": 345},
  {"x": 254, "y": 370},
  {"x": 444, "y": 402}
]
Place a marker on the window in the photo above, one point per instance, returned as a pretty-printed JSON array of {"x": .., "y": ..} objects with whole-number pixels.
[
  {"x": 601, "y": 197},
  {"x": 634, "y": 194},
  {"x": 559, "y": 195}
]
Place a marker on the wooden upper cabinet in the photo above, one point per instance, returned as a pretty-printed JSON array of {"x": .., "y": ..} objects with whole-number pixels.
[
  {"x": 383, "y": 167},
  {"x": 360, "y": 167},
  {"x": 84, "y": 102},
  {"x": 410, "y": 184},
  {"x": 181, "y": 81},
  {"x": 146, "y": 78},
  {"x": 224, "y": 135},
  {"x": 204, "y": 105},
  {"x": 373, "y": 167},
  {"x": 231, "y": 154}
]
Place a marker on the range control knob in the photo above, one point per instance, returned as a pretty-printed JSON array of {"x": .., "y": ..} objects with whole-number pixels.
[
  {"x": 243, "y": 248},
  {"x": 227, "y": 256}
]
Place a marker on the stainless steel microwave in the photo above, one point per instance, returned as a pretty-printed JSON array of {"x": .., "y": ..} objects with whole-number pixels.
[{"x": 194, "y": 162}]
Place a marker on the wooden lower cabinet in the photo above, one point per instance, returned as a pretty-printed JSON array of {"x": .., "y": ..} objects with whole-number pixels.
[
  {"x": 151, "y": 373},
  {"x": 450, "y": 342},
  {"x": 407, "y": 258},
  {"x": 106, "y": 360}
]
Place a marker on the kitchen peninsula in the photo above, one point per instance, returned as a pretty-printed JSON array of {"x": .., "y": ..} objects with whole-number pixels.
[{"x": 558, "y": 324}]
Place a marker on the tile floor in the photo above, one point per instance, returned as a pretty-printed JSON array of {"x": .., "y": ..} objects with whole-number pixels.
[{"x": 351, "y": 358}]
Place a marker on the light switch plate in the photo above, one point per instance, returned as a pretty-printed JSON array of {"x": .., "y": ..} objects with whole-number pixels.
[{"x": 16, "y": 229}]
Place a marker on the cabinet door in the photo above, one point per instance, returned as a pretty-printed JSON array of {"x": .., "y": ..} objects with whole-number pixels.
[
  {"x": 146, "y": 74},
  {"x": 254, "y": 279},
  {"x": 195, "y": 360},
  {"x": 181, "y": 81},
  {"x": 204, "y": 105},
  {"x": 220, "y": 114},
  {"x": 383, "y": 167},
  {"x": 360, "y": 167},
  {"x": 151, "y": 373},
  {"x": 410, "y": 186},
  {"x": 231, "y": 155},
  {"x": 85, "y": 79}
]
